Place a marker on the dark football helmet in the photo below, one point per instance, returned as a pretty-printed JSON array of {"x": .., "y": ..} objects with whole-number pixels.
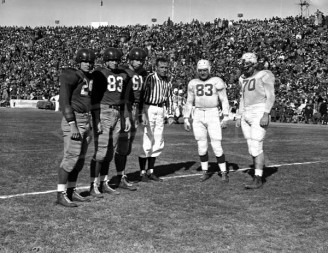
[
  {"x": 137, "y": 53},
  {"x": 85, "y": 55},
  {"x": 112, "y": 54}
]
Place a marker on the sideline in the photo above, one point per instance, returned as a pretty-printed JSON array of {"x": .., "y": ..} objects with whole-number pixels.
[{"x": 164, "y": 178}]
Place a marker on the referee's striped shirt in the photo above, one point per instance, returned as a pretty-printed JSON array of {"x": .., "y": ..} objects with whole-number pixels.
[{"x": 157, "y": 91}]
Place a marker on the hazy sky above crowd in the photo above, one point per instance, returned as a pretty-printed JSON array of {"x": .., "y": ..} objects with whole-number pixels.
[{"x": 130, "y": 12}]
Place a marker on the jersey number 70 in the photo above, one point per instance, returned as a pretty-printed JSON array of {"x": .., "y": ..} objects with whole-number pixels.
[{"x": 250, "y": 84}]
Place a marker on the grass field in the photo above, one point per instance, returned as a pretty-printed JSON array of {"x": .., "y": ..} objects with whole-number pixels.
[{"x": 180, "y": 214}]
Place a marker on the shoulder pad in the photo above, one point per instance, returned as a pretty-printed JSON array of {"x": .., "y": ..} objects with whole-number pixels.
[{"x": 130, "y": 72}]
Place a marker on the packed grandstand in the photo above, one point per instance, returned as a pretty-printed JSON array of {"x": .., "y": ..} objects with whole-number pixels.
[{"x": 294, "y": 48}]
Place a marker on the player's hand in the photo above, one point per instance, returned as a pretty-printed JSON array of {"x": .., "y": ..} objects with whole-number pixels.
[
  {"x": 187, "y": 125},
  {"x": 144, "y": 119},
  {"x": 127, "y": 124},
  {"x": 75, "y": 133},
  {"x": 99, "y": 128},
  {"x": 136, "y": 120},
  {"x": 238, "y": 122},
  {"x": 264, "y": 120},
  {"x": 224, "y": 124}
]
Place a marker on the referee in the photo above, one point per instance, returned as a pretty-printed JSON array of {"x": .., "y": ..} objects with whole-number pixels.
[{"x": 157, "y": 95}]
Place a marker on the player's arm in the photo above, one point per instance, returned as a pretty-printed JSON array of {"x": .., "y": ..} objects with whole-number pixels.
[
  {"x": 240, "y": 108},
  {"x": 268, "y": 84},
  {"x": 188, "y": 106},
  {"x": 68, "y": 83},
  {"x": 127, "y": 90},
  {"x": 99, "y": 88},
  {"x": 222, "y": 93}
]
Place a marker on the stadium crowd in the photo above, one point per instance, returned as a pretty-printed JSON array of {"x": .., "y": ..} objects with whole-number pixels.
[{"x": 294, "y": 48}]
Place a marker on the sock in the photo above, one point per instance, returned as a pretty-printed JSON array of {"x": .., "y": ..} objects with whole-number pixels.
[
  {"x": 258, "y": 172},
  {"x": 204, "y": 166},
  {"x": 61, "y": 187},
  {"x": 222, "y": 163},
  {"x": 151, "y": 164},
  {"x": 142, "y": 163},
  {"x": 71, "y": 184}
]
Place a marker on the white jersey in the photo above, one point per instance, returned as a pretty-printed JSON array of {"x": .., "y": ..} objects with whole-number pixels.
[
  {"x": 258, "y": 89},
  {"x": 206, "y": 94}
]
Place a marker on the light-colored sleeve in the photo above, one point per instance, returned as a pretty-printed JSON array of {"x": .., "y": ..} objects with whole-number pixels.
[
  {"x": 268, "y": 84},
  {"x": 190, "y": 101},
  {"x": 224, "y": 98},
  {"x": 241, "y": 103}
]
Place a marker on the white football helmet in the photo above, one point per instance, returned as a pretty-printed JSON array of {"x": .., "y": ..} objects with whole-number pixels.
[
  {"x": 204, "y": 64},
  {"x": 249, "y": 57}
]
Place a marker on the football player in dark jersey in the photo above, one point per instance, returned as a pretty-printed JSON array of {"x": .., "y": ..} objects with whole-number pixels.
[
  {"x": 137, "y": 75},
  {"x": 75, "y": 102},
  {"x": 109, "y": 106}
]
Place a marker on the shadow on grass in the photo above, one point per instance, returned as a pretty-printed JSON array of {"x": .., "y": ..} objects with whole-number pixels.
[
  {"x": 267, "y": 172},
  {"x": 164, "y": 170}
]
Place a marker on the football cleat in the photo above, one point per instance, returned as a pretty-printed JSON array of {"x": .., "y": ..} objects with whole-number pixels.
[
  {"x": 94, "y": 192},
  {"x": 77, "y": 197},
  {"x": 124, "y": 184},
  {"x": 105, "y": 188},
  {"x": 224, "y": 176},
  {"x": 255, "y": 184},
  {"x": 153, "y": 177},
  {"x": 144, "y": 178},
  {"x": 205, "y": 176},
  {"x": 63, "y": 200}
]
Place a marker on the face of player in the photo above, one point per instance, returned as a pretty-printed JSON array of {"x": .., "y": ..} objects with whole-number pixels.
[
  {"x": 113, "y": 64},
  {"x": 203, "y": 74},
  {"x": 86, "y": 66},
  {"x": 136, "y": 64},
  {"x": 162, "y": 69},
  {"x": 247, "y": 68}
]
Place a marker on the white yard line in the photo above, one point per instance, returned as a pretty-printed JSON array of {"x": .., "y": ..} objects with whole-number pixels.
[{"x": 165, "y": 178}]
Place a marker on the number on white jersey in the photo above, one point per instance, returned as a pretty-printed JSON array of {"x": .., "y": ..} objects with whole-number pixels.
[
  {"x": 204, "y": 89},
  {"x": 250, "y": 84}
]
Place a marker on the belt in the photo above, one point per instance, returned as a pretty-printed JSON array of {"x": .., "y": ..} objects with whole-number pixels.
[
  {"x": 85, "y": 114},
  {"x": 116, "y": 107},
  {"x": 159, "y": 105}
]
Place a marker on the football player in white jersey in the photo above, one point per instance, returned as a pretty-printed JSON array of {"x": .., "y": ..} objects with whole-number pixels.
[
  {"x": 204, "y": 93},
  {"x": 257, "y": 99}
]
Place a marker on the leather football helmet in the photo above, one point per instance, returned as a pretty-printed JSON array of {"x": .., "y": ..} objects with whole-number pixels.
[
  {"x": 204, "y": 64},
  {"x": 85, "y": 55},
  {"x": 137, "y": 53},
  {"x": 248, "y": 64},
  {"x": 112, "y": 54}
]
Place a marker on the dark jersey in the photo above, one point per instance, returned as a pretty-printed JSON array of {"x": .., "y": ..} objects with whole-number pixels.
[
  {"x": 111, "y": 87},
  {"x": 75, "y": 92},
  {"x": 137, "y": 78}
]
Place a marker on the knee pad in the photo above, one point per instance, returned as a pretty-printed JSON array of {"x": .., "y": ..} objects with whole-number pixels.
[
  {"x": 255, "y": 147},
  {"x": 217, "y": 148},
  {"x": 202, "y": 147}
]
